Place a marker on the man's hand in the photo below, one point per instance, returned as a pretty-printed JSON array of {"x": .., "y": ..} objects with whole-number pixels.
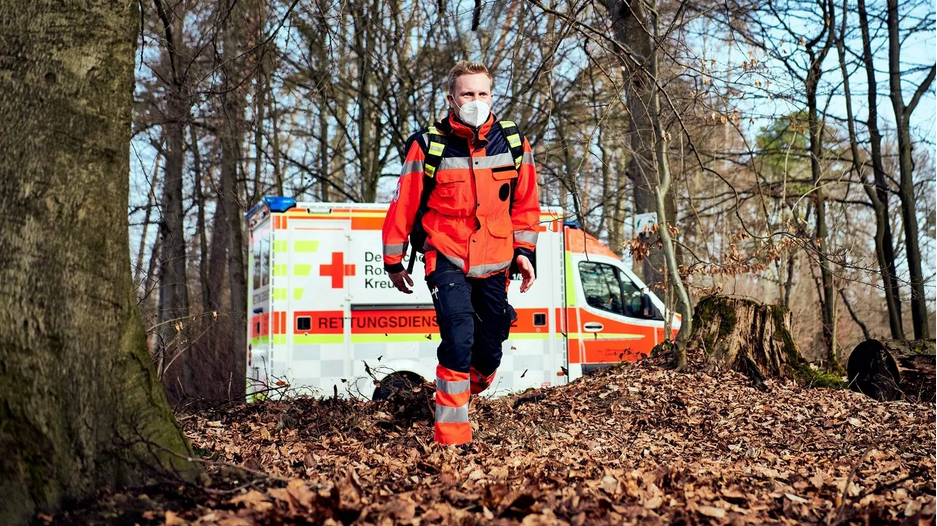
[
  {"x": 527, "y": 272},
  {"x": 402, "y": 279}
]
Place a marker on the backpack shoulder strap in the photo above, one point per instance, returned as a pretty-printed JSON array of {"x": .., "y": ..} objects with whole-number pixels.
[
  {"x": 516, "y": 144},
  {"x": 515, "y": 141},
  {"x": 434, "y": 150},
  {"x": 435, "y": 147}
]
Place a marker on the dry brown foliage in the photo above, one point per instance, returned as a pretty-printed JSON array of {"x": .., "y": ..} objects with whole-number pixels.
[{"x": 634, "y": 445}]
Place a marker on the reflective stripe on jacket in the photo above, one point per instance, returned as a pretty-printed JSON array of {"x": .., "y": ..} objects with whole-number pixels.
[{"x": 471, "y": 220}]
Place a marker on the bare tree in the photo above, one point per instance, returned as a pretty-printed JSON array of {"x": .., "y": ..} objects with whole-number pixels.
[
  {"x": 877, "y": 191},
  {"x": 173, "y": 307},
  {"x": 919, "y": 315}
]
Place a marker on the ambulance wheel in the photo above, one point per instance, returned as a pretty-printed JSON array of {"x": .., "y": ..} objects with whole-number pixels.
[{"x": 396, "y": 383}]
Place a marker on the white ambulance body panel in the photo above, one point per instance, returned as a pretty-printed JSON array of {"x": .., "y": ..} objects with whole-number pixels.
[{"x": 328, "y": 314}]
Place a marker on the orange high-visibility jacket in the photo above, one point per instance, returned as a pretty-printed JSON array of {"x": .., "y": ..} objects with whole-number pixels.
[{"x": 471, "y": 220}]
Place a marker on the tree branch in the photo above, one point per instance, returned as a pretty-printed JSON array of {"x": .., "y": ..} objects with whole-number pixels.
[{"x": 924, "y": 87}]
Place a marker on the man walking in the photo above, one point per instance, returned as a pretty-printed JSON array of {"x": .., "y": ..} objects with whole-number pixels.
[{"x": 469, "y": 184}]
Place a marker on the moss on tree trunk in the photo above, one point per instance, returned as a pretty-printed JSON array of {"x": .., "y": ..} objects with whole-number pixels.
[
  {"x": 754, "y": 339},
  {"x": 80, "y": 405}
]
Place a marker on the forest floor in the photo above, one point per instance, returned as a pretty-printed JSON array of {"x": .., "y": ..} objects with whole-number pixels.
[{"x": 634, "y": 444}]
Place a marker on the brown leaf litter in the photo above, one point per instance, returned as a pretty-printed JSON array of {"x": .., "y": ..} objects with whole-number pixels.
[{"x": 636, "y": 444}]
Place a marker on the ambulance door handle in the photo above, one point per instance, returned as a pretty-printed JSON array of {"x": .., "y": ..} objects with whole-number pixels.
[{"x": 593, "y": 327}]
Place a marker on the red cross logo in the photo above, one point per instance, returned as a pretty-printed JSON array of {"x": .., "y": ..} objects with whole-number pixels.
[{"x": 338, "y": 270}]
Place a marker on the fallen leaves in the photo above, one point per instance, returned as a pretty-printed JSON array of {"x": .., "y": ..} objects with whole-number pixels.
[
  {"x": 711, "y": 511},
  {"x": 632, "y": 445},
  {"x": 253, "y": 500}
]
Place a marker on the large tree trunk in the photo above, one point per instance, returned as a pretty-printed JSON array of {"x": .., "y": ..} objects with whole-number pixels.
[
  {"x": 752, "y": 338},
  {"x": 80, "y": 404},
  {"x": 231, "y": 140},
  {"x": 893, "y": 370},
  {"x": 919, "y": 316}
]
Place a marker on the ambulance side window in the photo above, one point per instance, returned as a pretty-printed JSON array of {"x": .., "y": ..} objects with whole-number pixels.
[
  {"x": 256, "y": 256},
  {"x": 601, "y": 286},
  {"x": 632, "y": 298},
  {"x": 635, "y": 302}
]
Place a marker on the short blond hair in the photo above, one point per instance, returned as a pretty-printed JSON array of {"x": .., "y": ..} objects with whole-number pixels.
[{"x": 465, "y": 67}]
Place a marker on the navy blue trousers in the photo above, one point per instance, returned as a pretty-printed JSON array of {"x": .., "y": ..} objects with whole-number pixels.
[{"x": 473, "y": 315}]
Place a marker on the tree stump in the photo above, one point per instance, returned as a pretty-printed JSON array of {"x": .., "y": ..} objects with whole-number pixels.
[
  {"x": 893, "y": 370},
  {"x": 754, "y": 339}
]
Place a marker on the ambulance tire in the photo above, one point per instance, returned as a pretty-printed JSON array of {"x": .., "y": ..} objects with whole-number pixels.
[{"x": 396, "y": 383}]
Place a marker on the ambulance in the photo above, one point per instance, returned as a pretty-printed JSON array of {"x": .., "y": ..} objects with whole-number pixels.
[{"x": 325, "y": 320}]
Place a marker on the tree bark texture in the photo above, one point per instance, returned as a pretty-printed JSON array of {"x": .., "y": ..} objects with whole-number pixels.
[
  {"x": 751, "y": 338},
  {"x": 893, "y": 370},
  {"x": 919, "y": 316},
  {"x": 232, "y": 135},
  {"x": 80, "y": 404}
]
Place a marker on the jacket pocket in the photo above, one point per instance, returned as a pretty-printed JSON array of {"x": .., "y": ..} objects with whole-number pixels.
[
  {"x": 500, "y": 225},
  {"x": 504, "y": 179},
  {"x": 510, "y": 316},
  {"x": 449, "y": 183},
  {"x": 502, "y": 173},
  {"x": 504, "y": 183},
  {"x": 452, "y": 194}
]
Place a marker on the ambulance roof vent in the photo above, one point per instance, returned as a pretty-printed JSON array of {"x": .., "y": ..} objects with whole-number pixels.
[{"x": 279, "y": 204}]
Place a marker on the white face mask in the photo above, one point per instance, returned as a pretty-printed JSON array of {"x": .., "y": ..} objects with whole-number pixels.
[{"x": 474, "y": 113}]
